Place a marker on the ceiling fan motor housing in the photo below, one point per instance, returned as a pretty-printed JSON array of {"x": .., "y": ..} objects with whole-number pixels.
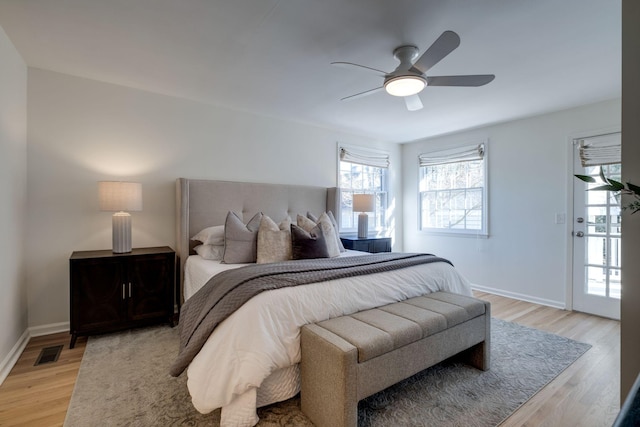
[{"x": 406, "y": 55}]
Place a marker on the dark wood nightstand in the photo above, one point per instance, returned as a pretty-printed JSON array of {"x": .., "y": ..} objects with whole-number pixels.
[
  {"x": 368, "y": 244},
  {"x": 111, "y": 292}
]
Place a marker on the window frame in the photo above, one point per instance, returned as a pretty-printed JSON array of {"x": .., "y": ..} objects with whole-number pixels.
[
  {"x": 484, "y": 230},
  {"x": 382, "y": 196}
]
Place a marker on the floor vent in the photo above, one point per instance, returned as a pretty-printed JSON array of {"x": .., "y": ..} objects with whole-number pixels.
[{"x": 49, "y": 355}]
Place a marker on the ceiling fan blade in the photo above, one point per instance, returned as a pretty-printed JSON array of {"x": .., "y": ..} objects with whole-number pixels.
[
  {"x": 413, "y": 102},
  {"x": 472, "y": 80},
  {"x": 361, "y": 67},
  {"x": 443, "y": 46},
  {"x": 362, "y": 94}
]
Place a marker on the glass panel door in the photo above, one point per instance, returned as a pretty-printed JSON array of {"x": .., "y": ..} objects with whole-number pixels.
[{"x": 596, "y": 245}]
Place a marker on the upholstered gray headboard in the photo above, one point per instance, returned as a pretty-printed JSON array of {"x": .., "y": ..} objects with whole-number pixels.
[{"x": 204, "y": 203}]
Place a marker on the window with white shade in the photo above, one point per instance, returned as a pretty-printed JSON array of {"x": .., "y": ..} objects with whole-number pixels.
[
  {"x": 362, "y": 171},
  {"x": 453, "y": 190}
]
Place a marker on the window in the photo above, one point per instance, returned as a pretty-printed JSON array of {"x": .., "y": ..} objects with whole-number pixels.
[
  {"x": 362, "y": 171},
  {"x": 453, "y": 190}
]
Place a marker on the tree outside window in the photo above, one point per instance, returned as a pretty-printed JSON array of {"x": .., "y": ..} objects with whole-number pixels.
[{"x": 453, "y": 191}]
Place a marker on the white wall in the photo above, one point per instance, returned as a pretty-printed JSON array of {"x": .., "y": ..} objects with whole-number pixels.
[
  {"x": 13, "y": 181},
  {"x": 630, "y": 314},
  {"x": 526, "y": 253},
  {"x": 82, "y": 131}
]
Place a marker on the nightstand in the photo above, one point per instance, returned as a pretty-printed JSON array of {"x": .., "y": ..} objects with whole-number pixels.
[
  {"x": 111, "y": 292},
  {"x": 367, "y": 244}
]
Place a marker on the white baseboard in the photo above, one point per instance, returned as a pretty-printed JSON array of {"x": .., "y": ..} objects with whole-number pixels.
[
  {"x": 12, "y": 358},
  {"x": 52, "y": 328},
  {"x": 36, "y": 331},
  {"x": 522, "y": 297}
]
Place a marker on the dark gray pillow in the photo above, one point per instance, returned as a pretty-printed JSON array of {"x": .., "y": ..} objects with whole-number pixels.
[
  {"x": 327, "y": 231},
  {"x": 308, "y": 245},
  {"x": 315, "y": 219},
  {"x": 240, "y": 241}
]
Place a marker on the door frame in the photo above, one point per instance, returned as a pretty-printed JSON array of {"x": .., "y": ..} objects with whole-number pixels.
[{"x": 570, "y": 213}]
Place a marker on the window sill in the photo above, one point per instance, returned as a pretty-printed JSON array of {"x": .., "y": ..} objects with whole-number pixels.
[{"x": 443, "y": 233}]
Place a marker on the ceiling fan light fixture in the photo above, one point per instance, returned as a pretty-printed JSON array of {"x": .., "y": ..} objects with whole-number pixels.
[{"x": 405, "y": 85}]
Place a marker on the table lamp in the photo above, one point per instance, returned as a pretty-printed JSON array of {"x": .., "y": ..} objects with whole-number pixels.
[
  {"x": 363, "y": 203},
  {"x": 121, "y": 197}
]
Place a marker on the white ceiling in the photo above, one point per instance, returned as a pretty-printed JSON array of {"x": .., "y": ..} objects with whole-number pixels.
[{"x": 272, "y": 57}]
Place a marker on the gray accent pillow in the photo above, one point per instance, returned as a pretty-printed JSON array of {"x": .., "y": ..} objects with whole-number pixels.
[
  {"x": 308, "y": 245},
  {"x": 240, "y": 240},
  {"x": 274, "y": 241}
]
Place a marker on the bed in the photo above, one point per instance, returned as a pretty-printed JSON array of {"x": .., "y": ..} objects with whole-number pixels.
[{"x": 251, "y": 358}]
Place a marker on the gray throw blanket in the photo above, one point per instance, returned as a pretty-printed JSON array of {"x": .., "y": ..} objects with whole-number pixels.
[{"x": 225, "y": 292}]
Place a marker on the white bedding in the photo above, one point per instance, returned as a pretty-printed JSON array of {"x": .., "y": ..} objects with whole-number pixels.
[
  {"x": 197, "y": 271},
  {"x": 262, "y": 337}
]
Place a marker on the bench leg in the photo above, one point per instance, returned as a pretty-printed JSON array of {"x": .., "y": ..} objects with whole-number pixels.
[
  {"x": 479, "y": 356},
  {"x": 328, "y": 395}
]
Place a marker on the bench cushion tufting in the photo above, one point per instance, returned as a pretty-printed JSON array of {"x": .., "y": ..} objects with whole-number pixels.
[{"x": 381, "y": 330}]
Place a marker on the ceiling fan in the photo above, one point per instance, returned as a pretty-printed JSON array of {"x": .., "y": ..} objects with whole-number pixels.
[{"x": 409, "y": 78}]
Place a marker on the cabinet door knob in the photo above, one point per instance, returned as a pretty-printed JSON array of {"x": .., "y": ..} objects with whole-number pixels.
[
  {"x": 129, "y": 289},
  {"x": 123, "y": 294}
]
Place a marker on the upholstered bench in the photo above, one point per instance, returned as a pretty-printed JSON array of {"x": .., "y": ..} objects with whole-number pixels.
[{"x": 348, "y": 358}]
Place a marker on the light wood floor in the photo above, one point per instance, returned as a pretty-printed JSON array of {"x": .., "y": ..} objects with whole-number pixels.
[
  {"x": 38, "y": 396},
  {"x": 586, "y": 394}
]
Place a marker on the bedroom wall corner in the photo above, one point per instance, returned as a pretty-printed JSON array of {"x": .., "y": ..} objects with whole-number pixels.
[{"x": 13, "y": 209}]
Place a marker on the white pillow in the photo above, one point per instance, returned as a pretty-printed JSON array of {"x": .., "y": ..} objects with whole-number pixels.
[
  {"x": 211, "y": 235},
  {"x": 211, "y": 252}
]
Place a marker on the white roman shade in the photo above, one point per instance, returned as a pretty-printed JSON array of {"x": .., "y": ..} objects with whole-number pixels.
[
  {"x": 453, "y": 155},
  {"x": 600, "y": 150},
  {"x": 362, "y": 157}
]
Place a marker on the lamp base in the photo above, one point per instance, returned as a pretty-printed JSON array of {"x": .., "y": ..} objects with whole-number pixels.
[
  {"x": 121, "y": 226},
  {"x": 363, "y": 225}
]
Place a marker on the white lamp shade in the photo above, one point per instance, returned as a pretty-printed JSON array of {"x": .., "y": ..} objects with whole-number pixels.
[
  {"x": 120, "y": 196},
  {"x": 364, "y": 202}
]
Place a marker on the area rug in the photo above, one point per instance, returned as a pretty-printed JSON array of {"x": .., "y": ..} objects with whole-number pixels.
[{"x": 124, "y": 381}]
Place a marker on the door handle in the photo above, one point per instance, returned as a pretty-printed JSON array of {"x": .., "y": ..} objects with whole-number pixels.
[
  {"x": 129, "y": 289},
  {"x": 579, "y": 234}
]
